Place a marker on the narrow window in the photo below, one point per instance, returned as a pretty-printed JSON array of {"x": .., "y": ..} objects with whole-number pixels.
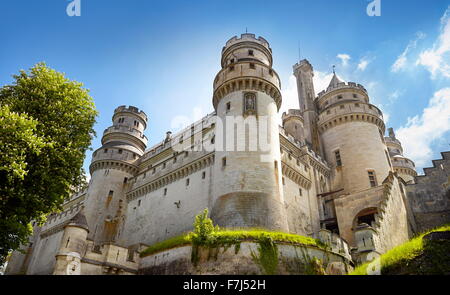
[
  {"x": 355, "y": 95},
  {"x": 372, "y": 178},
  {"x": 300, "y": 192},
  {"x": 337, "y": 154},
  {"x": 250, "y": 52},
  {"x": 339, "y": 97},
  {"x": 154, "y": 170},
  {"x": 224, "y": 161},
  {"x": 271, "y": 72},
  {"x": 231, "y": 60},
  {"x": 164, "y": 165},
  {"x": 67, "y": 243},
  {"x": 228, "y": 106},
  {"x": 231, "y": 68},
  {"x": 186, "y": 154},
  {"x": 174, "y": 159},
  {"x": 120, "y": 151},
  {"x": 252, "y": 66},
  {"x": 187, "y": 182},
  {"x": 139, "y": 203},
  {"x": 356, "y": 104},
  {"x": 125, "y": 180},
  {"x": 105, "y": 150},
  {"x": 203, "y": 175},
  {"x": 282, "y": 180},
  {"x": 165, "y": 191}
]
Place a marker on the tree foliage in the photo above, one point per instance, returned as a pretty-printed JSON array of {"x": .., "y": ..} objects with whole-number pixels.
[{"x": 46, "y": 126}]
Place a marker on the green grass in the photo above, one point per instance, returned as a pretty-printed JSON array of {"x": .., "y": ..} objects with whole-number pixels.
[
  {"x": 233, "y": 236},
  {"x": 401, "y": 255},
  {"x": 167, "y": 244}
]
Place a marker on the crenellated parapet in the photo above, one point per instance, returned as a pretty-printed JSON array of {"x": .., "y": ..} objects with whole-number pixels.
[
  {"x": 348, "y": 86},
  {"x": 347, "y": 111},
  {"x": 237, "y": 49},
  {"x": 131, "y": 110},
  {"x": 292, "y": 114}
]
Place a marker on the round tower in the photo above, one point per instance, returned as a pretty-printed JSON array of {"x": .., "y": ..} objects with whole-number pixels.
[
  {"x": 247, "y": 186},
  {"x": 72, "y": 247},
  {"x": 111, "y": 167},
  {"x": 293, "y": 124},
  {"x": 351, "y": 131},
  {"x": 404, "y": 167}
]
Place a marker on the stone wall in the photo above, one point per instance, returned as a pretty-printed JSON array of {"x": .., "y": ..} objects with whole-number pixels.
[
  {"x": 243, "y": 260},
  {"x": 392, "y": 221},
  {"x": 430, "y": 195}
]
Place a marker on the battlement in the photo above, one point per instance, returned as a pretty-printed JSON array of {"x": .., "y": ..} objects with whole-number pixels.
[
  {"x": 342, "y": 85},
  {"x": 301, "y": 64},
  {"x": 131, "y": 109},
  {"x": 247, "y": 37},
  {"x": 292, "y": 113}
]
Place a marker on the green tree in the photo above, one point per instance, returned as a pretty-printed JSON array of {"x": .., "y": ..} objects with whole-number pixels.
[{"x": 46, "y": 126}]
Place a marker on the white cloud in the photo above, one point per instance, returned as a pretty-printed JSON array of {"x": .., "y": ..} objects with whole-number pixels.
[
  {"x": 420, "y": 131},
  {"x": 290, "y": 96},
  {"x": 437, "y": 58},
  {"x": 344, "y": 58},
  {"x": 395, "y": 95},
  {"x": 363, "y": 64},
  {"x": 322, "y": 80},
  {"x": 402, "y": 59}
]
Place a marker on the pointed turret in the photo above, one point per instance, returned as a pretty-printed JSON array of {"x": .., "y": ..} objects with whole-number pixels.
[{"x": 334, "y": 81}]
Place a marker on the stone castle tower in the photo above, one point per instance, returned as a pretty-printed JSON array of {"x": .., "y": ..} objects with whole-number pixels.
[
  {"x": 348, "y": 130},
  {"x": 401, "y": 164},
  {"x": 327, "y": 173},
  {"x": 247, "y": 190},
  {"x": 112, "y": 165}
]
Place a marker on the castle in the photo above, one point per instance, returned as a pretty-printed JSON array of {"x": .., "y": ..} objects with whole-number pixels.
[{"x": 328, "y": 172}]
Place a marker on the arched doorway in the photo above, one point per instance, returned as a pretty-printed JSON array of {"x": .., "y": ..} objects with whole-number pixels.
[{"x": 366, "y": 215}]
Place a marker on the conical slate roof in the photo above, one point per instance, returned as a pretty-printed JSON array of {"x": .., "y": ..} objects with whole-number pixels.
[
  {"x": 79, "y": 220},
  {"x": 334, "y": 81}
]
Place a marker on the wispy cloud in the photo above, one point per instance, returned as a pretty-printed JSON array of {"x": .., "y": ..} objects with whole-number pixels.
[
  {"x": 437, "y": 58},
  {"x": 395, "y": 95},
  {"x": 363, "y": 64},
  {"x": 344, "y": 58},
  {"x": 419, "y": 133},
  {"x": 402, "y": 59}
]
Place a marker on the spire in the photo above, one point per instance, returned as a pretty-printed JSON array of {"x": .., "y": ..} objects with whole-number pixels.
[{"x": 335, "y": 80}]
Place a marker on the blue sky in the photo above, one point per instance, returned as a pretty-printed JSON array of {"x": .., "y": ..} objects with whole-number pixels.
[{"x": 162, "y": 56}]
